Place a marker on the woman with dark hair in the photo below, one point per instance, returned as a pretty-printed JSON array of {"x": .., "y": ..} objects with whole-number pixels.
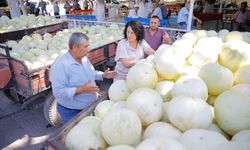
[{"x": 131, "y": 49}]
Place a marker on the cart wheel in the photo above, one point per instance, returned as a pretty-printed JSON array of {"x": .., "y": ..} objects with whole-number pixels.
[
  {"x": 50, "y": 112},
  {"x": 10, "y": 94}
]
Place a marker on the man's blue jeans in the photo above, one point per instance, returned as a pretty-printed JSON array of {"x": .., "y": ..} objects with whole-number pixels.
[{"x": 66, "y": 113}]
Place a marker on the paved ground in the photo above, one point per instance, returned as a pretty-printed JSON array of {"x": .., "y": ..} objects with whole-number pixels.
[
  {"x": 25, "y": 129},
  {"x": 22, "y": 128}
]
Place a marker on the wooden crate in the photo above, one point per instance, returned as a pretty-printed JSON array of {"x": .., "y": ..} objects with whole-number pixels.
[{"x": 56, "y": 141}]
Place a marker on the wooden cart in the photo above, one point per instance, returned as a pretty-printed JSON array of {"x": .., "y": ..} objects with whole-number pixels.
[
  {"x": 16, "y": 80},
  {"x": 27, "y": 83},
  {"x": 24, "y": 85}
]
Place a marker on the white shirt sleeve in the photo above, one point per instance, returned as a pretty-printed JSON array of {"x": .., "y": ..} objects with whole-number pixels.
[
  {"x": 145, "y": 45},
  {"x": 121, "y": 50}
]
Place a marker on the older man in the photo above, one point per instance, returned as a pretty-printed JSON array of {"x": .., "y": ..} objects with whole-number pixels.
[
  {"x": 154, "y": 36},
  {"x": 73, "y": 78}
]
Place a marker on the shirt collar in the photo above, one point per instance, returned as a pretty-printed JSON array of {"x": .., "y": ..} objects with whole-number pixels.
[
  {"x": 70, "y": 59},
  {"x": 148, "y": 28},
  {"x": 127, "y": 42}
]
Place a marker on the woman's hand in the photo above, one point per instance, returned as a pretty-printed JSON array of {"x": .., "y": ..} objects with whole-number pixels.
[
  {"x": 150, "y": 51},
  {"x": 109, "y": 74},
  {"x": 199, "y": 21}
]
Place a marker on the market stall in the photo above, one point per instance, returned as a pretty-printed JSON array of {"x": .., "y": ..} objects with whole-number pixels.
[{"x": 178, "y": 77}]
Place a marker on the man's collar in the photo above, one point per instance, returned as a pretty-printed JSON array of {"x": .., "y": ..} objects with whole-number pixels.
[
  {"x": 152, "y": 30},
  {"x": 71, "y": 59}
]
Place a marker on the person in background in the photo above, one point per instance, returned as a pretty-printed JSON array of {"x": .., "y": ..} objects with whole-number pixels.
[
  {"x": 43, "y": 7},
  {"x": 145, "y": 8},
  {"x": 73, "y": 78},
  {"x": 133, "y": 13},
  {"x": 100, "y": 10},
  {"x": 182, "y": 18},
  {"x": 30, "y": 8},
  {"x": 156, "y": 10},
  {"x": 131, "y": 4},
  {"x": 37, "y": 10},
  {"x": 85, "y": 4},
  {"x": 154, "y": 36},
  {"x": 67, "y": 7},
  {"x": 56, "y": 10},
  {"x": 164, "y": 10},
  {"x": 76, "y": 6},
  {"x": 241, "y": 18},
  {"x": 198, "y": 7},
  {"x": 131, "y": 49},
  {"x": 209, "y": 6},
  {"x": 90, "y": 4},
  {"x": 124, "y": 10}
]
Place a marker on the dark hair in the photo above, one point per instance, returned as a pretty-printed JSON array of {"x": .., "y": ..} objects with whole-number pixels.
[
  {"x": 124, "y": 6},
  {"x": 156, "y": 17},
  {"x": 244, "y": 3},
  {"x": 154, "y": 1},
  {"x": 138, "y": 29},
  {"x": 182, "y": 5}
]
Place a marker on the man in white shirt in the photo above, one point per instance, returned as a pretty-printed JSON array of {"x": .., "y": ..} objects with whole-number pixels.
[
  {"x": 100, "y": 10},
  {"x": 156, "y": 10},
  {"x": 182, "y": 18},
  {"x": 145, "y": 7},
  {"x": 133, "y": 13}
]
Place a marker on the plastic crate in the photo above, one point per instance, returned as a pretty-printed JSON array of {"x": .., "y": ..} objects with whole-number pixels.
[
  {"x": 72, "y": 19},
  {"x": 164, "y": 22},
  {"x": 127, "y": 19},
  {"x": 145, "y": 21},
  {"x": 82, "y": 17}
]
